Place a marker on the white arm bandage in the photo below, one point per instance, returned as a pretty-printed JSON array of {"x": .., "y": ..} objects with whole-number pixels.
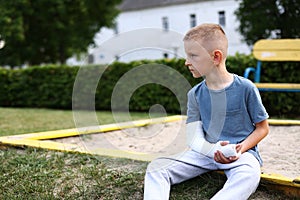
[{"x": 197, "y": 142}]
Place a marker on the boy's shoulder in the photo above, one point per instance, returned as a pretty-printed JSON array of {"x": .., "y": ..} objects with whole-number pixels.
[
  {"x": 197, "y": 87},
  {"x": 239, "y": 81}
]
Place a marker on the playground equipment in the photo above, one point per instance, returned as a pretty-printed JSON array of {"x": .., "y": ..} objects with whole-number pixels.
[{"x": 270, "y": 51}]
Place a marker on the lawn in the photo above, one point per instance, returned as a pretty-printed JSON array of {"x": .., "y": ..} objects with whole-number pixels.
[
  {"x": 26, "y": 120},
  {"x": 28, "y": 173}
]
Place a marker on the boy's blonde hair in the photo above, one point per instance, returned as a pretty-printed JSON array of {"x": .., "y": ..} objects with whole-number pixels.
[{"x": 210, "y": 36}]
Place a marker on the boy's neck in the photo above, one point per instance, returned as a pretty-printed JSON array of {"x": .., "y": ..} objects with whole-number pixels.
[{"x": 219, "y": 80}]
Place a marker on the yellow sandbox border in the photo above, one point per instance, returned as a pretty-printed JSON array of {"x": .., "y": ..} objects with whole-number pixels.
[{"x": 41, "y": 140}]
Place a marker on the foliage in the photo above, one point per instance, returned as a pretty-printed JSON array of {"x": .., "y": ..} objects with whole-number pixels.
[
  {"x": 48, "y": 86},
  {"x": 281, "y": 104},
  {"x": 262, "y": 19},
  {"x": 46, "y": 31},
  {"x": 53, "y": 87}
]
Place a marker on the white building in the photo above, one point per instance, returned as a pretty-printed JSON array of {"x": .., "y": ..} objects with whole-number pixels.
[{"x": 154, "y": 29}]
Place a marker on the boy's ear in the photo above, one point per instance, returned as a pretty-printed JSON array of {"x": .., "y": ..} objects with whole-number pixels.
[{"x": 217, "y": 57}]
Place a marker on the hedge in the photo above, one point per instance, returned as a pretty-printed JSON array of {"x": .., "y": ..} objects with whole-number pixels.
[{"x": 52, "y": 86}]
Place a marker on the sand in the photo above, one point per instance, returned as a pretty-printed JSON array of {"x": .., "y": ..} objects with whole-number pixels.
[{"x": 279, "y": 150}]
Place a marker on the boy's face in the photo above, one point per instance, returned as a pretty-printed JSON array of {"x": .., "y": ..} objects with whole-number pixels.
[{"x": 198, "y": 60}]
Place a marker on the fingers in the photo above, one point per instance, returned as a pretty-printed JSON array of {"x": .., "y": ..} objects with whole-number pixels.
[
  {"x": 239, "y": 150},
  {"x": 220, "y": 158},
  {"x": 233, "y": 158}
]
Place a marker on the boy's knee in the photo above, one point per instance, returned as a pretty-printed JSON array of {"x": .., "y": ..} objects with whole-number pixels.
[
  {"x": 252, "y": 175},
  {"x": 159, "y": 164},
  {"x": 252, "y": 169}
]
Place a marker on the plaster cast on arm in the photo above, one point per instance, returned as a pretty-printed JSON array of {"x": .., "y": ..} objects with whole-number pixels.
[{"x": 197, "y": 142}]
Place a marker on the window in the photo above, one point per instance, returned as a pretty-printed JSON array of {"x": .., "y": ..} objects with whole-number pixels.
[
  {"x": 165, "y": 23},
  {"x": 90, "y": 59},
  {"x": 275, "y": 34},
  {"x": 101, "y": 56},
  {"x": 166, "y": 55},
  {"x": 116, "y": 28},
  {"x": 222, "y": 19},
  {"x": 193, "y": 21}
]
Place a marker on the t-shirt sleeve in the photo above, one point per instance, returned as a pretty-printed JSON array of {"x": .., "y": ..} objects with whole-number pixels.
[
  {"x": 193, "y": 113},
  {"x": 256, "y": 108}
]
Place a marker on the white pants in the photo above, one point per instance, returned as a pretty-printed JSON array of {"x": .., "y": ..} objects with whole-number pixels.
[{"x": 243, "y": 175}]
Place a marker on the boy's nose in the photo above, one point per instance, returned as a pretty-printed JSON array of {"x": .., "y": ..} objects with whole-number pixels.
[{"x": 187, "y": 63}]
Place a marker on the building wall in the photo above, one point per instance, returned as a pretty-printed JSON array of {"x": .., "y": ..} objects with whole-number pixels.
[{"x": 141, "y": 36}]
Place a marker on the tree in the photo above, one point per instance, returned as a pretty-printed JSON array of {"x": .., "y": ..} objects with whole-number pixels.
[
  {"x": 268, "y": 19},
  {"x": 50, "y": 31}
]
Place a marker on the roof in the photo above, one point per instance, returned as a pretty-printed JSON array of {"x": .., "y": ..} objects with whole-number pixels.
[{"x": 128, "y": 5}]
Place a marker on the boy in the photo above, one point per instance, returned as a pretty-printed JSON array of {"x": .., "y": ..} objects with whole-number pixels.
[{"x": 225, "y": 121}]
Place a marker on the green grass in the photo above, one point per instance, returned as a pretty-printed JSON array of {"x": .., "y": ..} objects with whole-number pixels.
[
  {"x": 26, "y": 120},
  {"x": 41, "y": 174}
]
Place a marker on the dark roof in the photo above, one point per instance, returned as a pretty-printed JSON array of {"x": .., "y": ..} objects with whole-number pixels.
[{"x": 128, "y": 5}]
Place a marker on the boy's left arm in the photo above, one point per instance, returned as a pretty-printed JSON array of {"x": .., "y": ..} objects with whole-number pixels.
[{"x": 261, "y": 131}]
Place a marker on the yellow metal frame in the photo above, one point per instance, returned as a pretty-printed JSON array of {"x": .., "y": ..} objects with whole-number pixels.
[
  {"x": 284, "y": 122},
  {"x": 278, "y": 85},
  {"x": 291, "y": 187},
  {"x": 41, "y": 140}
]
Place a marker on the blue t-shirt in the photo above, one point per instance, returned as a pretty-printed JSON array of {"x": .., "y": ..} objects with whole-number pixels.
[{"x": 229, "y": 114}]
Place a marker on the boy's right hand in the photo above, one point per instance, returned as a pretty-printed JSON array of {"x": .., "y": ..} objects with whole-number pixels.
[
  {"x": 221, "y": 158},
  {"x": 229, "y": 150}
]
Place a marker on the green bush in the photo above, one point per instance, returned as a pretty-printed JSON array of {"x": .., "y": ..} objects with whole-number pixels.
[
  {"x": 53, "y": 86},
  {"x": 281, "y": 104},
  {"x": 48, "y": 87}
]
